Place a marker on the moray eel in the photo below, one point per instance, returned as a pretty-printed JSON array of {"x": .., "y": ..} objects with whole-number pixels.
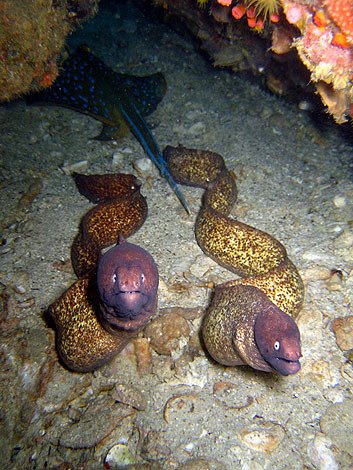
[
  {"x": 250, "y": 320},
  {"x": 127, "y": 281},
  {"x": 116, "y": 293},
  {"x": 87, "y": 85}
]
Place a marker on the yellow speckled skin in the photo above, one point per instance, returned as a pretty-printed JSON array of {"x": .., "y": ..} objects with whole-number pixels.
[
  {"x": 101, "y": 226},
  {"x": 262, "y": 261},
  {"x": 82, "y": 342}
]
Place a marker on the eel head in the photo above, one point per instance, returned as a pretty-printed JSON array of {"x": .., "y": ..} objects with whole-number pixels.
[
  {"x": 127, "y": 280},
  {"x": 278, "y": 340}
]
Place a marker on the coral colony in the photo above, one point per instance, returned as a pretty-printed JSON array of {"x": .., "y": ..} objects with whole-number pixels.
[{"x": 322, "y": 35}]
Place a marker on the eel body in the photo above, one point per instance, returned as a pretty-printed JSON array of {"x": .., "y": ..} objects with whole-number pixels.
[
  {"x": 87, "y": 85},
  {"x": 116, "y": 293},
  {"x": 250, "y": 320}
]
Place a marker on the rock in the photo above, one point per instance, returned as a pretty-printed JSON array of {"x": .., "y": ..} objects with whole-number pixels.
[
  {"x": 154, "y": 448},
  {"x": 264, "y": 437},
  {"x": 201, "y": 464},
  {"x": 96, "y": 422},
  {"x": 337, "y": 424},
  {"x": 339, "y": 201},
  {"x": 119, "y": 456},
  {"x": 343, "y": 330},
  {"x": 196, "y": 129},
  {"x": 129, "y": 396},
  {"x": 68, "y": 168},
  {"x": 344, "y": 240},
  {"x": 166, "y": 331},
  {"x": 320, "y": 453},
  {"x": 143, "y": 166},
  {"x": 335, "y": 281},
  {"x": 180, "y": 406},
  {"x": 143, "y": 355}
]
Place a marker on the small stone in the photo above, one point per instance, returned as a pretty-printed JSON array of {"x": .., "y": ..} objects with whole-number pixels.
[
  {"x": 335, "y": 281},
  {"x": 320, "y": 453},
  {"x": 179, "y": 406},
  {"x": 143, "y": 166},
  {"x": 265, "y": 437},
  {"x": 166, "y": 331},
  {"x": 337, "y": 424},
  {"x": 197, "y": 129},
  {"x": 201, "y": 266},
  {"x": 119, "y": 456},
  {"x": 154, "y": 447},
  {"x": 339, "y": 201},
  {"x": 200, "y": 464},
  {"x": 321, "y": 372},
  {"x": 143, "y": 355},
  {"x": 117, "y": 158},
  {"x": 343, "y": 330},
  {"x": 129, "y": 396},
  {"x": 68, "y": 169},
  {"x": 33, "y": 139},
  {"x": 19, "y": 289},
  {"x": 344, "y": 240},
  {"x": 317, "y": 273},
  {"x": 95, "y": 423},
  {"x": 305, "y": 105}
]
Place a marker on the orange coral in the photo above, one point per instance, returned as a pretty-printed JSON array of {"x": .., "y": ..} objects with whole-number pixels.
[
  {"x": 238, "y": 11},
  {"x": 256, "y": 12},
  {"x": 326, "y": 48},
  {"x": 341, "y": 11},
  {"x": 340, "y": 40},
  {"x": 225, "y": 3}
]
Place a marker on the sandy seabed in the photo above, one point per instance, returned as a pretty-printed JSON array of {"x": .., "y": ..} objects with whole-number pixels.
[{"x": 295, "y": 182}]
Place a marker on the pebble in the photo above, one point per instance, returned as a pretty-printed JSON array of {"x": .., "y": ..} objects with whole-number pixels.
[
  {"x": 321, "y": 372},
  {"x": 201, "y": 266},
  {"x": 68, "y": 169},
  {"x": 343, "y": 330},
  {"x": 339, "y": 201},
  {"x": 129, "y": 396},
  {"x": 200, "y": 464},
  {"x": 180, "y": 406},
  {"x": 345, "y": 239},
  {"x": 316, "y": 273},
  {"x": 143, "y": 166},
  {"x": 264, "y": 438},
  {"x": 320, "y": 453},
  {"x": 335, "y": 281},
  {"x": 143, "y": 355},
  {"x": 117, "y": 158},
  {"x": 336, "y": 423},
  {"x": 196, "y": 129},
  {"x": 97, "y": 422},
  {"x": 166, "y": 331},
  {"x": 119, "y": 456}
]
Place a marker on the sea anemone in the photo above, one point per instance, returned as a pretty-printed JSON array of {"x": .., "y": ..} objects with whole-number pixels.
[{"x": 264, "y": 8}]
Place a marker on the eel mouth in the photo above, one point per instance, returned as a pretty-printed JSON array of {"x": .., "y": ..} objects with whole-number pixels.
[
  {"x": 129, "y": 303},
  {"x": 285, "y": 366}
]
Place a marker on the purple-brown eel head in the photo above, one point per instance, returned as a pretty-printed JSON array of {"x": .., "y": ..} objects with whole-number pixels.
[
  {"x": 127, "y": 280},
  {"x": 278, "y": 340}
]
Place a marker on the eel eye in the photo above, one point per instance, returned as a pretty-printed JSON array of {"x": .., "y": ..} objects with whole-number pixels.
[
  {"x": 277, "y": 345},
  {"x": 114, "y": 278}
]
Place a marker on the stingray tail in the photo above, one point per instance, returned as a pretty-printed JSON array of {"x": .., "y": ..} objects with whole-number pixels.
[{"x": 141, "y": 131}]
